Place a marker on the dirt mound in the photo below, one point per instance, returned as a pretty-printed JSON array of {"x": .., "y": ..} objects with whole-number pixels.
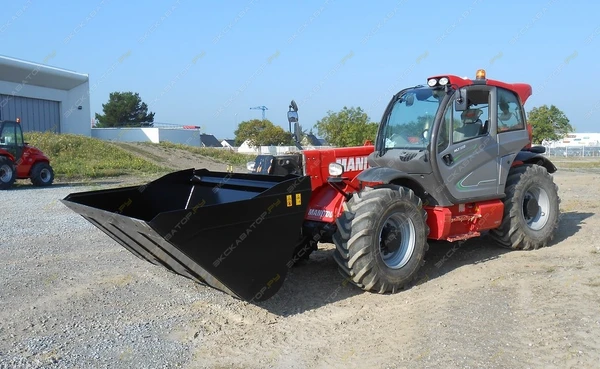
[{"x": 175, "y": 158}]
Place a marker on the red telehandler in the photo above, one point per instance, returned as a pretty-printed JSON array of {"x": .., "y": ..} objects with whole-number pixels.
[
  {"x": 19, "y": 160},
  {"x": 452, "y": 159}
]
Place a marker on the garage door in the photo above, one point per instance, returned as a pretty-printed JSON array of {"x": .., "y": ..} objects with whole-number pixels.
[{"x": 35, "y": 114}]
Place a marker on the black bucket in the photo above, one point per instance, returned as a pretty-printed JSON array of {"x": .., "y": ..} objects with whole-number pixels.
[{"x": 234, "y": 232}]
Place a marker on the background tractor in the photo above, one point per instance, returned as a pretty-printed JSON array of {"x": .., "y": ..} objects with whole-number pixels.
[
  {"x": 443, "y": 167},
  {"x": 19, "y": 160}
]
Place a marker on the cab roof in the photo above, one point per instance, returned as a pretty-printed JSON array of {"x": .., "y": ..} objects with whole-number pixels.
[{"x": 522, "y": 89}]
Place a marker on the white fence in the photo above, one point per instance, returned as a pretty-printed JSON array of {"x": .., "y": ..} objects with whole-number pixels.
[
  {"x": 571, "y": 151},
  {"x": 276, "y": 150}
]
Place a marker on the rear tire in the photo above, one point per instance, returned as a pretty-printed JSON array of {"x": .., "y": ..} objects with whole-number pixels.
[
  {"x": 8, "y": 173},
  {"x": 531, "y": 209},
  {"x": 42, "y": 174},
  {"x": 381, "y": 238}
]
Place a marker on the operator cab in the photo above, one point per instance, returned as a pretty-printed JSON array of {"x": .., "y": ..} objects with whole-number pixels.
[
  {"x": 11, "y": 138},
  {"x": 455, "y": 136}
]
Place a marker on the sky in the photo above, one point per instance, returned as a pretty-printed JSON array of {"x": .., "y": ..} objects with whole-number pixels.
[{"x": 207, "y": 63}]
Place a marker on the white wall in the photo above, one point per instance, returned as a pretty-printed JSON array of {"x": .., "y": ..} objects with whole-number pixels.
[
  {"x": 148, "y": 134},
  {"x": 71, "y": 120},
  {"x": 276, "y": 150},
  {"x": 180, "y": 136},
  {"x": 127, "y": 134}
]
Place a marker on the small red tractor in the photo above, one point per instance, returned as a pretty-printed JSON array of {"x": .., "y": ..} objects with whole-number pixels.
[
  {"x": 19, "y": 160},
  {"x": 451, "y": 159}
]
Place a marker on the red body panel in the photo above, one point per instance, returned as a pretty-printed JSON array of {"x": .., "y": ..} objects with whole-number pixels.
[
  {"x": 460, "y": 222},
  {"x": 326, "y": 201},
  {"x": 530, "y": 132},
  {"x": 30, "y": 156}
]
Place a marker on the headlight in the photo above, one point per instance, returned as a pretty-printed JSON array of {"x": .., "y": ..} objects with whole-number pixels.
[
  {"x": 444, "y": 81},
  {"x": 432, "y": 82},
  {"x": 250, "y": 166},
  {"x": 336, "y": 169}
]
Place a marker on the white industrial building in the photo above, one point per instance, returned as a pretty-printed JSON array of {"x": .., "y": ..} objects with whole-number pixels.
[
  {"x": 575, "y": 139},
  {"x": 44, "y": 98}
]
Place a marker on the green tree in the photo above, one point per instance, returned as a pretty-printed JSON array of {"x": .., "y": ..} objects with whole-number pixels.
[
  {"x": 348, "y": 127},
  {"x": 548, "y": 123},
  {"x": 261, "y": 133},
  {"x": 124, "y": 109}
]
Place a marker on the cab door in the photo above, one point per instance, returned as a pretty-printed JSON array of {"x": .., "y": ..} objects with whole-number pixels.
[
  {"x": 512, "y": 131},
  {"x": 467, "y": 159},
  {"x": 20, "y": 147}
]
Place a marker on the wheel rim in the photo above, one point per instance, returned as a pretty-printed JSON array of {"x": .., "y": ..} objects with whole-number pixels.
[
  {"x": 536, "y": 208},
  {"x": 5, "y": 173},
  {"x": 397, "y": 241},
  {"x": 45, "y": 175}
]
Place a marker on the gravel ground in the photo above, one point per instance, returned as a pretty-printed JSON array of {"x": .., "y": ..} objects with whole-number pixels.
[{"x": 72, "y": 298}]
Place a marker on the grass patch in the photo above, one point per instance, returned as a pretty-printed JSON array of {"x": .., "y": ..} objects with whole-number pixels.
[
  {"x": 221, "y": 155},
  {"x": 580, "y": 165},
  {"x": 575, "y": 163},
  {"x": 81, "y": 157}
]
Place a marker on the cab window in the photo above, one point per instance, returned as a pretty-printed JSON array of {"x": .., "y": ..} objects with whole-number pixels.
[
  {"x": 509, "y": 112},
  {"x": 443, "y": 139},
  {"x": 8, "y": 135},
  {"x": 19, "y": 136},
  {"x": 472, "y": 122}
]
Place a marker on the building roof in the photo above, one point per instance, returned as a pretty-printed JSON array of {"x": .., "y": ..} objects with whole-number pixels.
[
  {"x": 229, "y": 141},
  {"x": 29, "y": 73},
  {"x": 311, "y": 139},
  {"x": 209, "y": 141}
]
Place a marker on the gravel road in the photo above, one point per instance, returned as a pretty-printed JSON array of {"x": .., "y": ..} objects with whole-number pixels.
[{"x": 71, "y": 297}]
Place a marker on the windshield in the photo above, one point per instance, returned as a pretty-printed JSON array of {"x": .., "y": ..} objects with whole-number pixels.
[{"x": 409, "y": 123}]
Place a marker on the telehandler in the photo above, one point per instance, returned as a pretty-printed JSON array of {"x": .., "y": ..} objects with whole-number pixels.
[
  {"x": 19, "y": 160},
  {"x": 445, "y": 165}
]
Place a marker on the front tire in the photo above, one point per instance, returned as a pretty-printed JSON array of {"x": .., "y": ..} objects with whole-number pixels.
[
  {"x": 531, "y": 209},
  {"x": 381, "y": 238},
  {"x": 8, "y": 173},
  {"x": 42, "y": 174}
]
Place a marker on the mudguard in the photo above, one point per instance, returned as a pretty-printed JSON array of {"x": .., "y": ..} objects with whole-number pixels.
[
  {"x": 528, "y": 157},
  {"x": 382, "y": 175}
]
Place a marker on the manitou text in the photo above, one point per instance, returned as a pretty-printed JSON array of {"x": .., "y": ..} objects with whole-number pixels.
[{"x": 353, "y": 163}]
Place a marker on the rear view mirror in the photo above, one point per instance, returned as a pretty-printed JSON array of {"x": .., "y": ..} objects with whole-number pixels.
[
  {"x": 461, "y": 102},
  {"x": 292, "y": 116},
  {"x": 410, "y": 100}
]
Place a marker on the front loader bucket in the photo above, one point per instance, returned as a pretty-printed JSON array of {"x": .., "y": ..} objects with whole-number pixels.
[{"x": 233, "y": 232}]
